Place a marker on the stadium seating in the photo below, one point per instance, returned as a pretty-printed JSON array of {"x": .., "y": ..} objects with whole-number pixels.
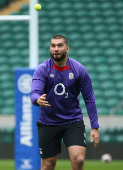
[
  {"x": 2, "y": 3},
  {"x": 94, "y": 32},
  {"x": 109, "y": 135},
  {"x": 7, "y": 135}
]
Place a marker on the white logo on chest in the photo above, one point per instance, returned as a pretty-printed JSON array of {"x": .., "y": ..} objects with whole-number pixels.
[
  {"x": 71, "y": 76},
  {"x": 62, "y": 92},
  {"x": 52, "y": 75},
  {"x": 63, "y": 89}
]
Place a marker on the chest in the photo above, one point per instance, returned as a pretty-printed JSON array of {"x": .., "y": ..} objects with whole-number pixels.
[{"x": 68, "y": 78}]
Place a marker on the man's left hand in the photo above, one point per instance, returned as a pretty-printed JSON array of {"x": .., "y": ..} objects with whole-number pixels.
[{"x": 95, "y": 134}]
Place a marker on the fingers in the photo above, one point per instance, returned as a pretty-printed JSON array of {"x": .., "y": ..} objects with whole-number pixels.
[
  {"x": 43, "y": 97},
  {"x": 42, "y": 101},
  {"x": 96, "y": 139},
  {"x": 95, "y": 145},
  {"x": 44, "y": 94},
  {"x": 46, "y": 105},
  {"x": 94, "y": 134},
  {"x": 91, "y": 138}
]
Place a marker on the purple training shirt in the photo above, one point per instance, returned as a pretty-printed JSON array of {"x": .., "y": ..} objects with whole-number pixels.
[{"x": 62, "y": 86}]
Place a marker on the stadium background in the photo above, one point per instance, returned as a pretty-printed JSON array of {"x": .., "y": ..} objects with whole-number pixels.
[{"x": 94, "y": 30}]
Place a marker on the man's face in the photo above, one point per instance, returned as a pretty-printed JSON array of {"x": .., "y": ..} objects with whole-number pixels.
[{"x": 58, "y": 49}]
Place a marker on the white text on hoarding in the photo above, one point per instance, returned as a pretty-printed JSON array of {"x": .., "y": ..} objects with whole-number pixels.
[{"x": 26, "y": 123}]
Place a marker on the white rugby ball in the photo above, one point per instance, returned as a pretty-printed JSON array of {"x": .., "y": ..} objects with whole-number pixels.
[{"x": 106, "y": 158}]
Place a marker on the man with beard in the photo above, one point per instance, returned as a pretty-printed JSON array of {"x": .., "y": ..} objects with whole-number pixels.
[{"x": 56, "y": 85}]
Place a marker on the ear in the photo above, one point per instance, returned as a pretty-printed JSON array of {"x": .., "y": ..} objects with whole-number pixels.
[{"x": 67, "y": 49}]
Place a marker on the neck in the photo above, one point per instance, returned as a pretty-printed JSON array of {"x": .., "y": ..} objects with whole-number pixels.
[{"x": 61, "y": 63}]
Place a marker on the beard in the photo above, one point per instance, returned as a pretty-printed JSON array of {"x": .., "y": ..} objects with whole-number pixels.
[{"x": 58, "y": 56}]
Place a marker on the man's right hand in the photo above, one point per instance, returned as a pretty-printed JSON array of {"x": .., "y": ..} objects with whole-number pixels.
[{"x": 42, "y": 101}]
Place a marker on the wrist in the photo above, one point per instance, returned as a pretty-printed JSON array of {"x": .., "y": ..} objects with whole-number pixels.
[{"x": 36, "y": 103}]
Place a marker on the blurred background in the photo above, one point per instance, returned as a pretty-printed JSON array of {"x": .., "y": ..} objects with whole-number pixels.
[{"x": 94, "y": 30}]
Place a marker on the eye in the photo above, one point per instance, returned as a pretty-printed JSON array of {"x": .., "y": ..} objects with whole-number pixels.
[
  {"x": 60, "y": 45},
  {"x": 52, "y": 45}
]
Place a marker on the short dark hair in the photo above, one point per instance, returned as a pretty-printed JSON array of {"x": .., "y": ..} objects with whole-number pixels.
[{"x": 60, "y": 37}]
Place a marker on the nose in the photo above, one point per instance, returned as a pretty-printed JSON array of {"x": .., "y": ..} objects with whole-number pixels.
[{"x": 56, "y": 48}]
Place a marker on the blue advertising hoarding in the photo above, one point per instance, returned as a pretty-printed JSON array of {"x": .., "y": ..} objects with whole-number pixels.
[{"x": 27, "y": 155}]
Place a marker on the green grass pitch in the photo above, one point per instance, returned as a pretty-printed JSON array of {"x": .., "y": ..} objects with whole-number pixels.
[{"x": 66, "y": 165}]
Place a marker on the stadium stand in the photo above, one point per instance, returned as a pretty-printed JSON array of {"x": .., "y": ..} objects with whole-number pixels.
[
  {"x": 7, "y": 135},
  {"x": 94, "y": 30}
]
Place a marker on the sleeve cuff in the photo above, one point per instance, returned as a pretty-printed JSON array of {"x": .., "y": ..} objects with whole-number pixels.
[
  {"x": 34, "y": 98},
  {"x": 95, "y": 127}
]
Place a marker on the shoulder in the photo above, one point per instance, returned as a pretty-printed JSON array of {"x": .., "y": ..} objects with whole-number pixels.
[
  {"x": 75, "y": 63},
  {"x": 77, "y": 66},
  {"x": 44, "y": 66},
  {"x": 42, "y": 69}
]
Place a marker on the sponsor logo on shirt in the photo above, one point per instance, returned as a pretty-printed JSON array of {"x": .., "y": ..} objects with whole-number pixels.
[
  {"x": 71, "y": 76},
  {"x": 52, "y": 75},
  {"x": 63, "y": 90}
]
